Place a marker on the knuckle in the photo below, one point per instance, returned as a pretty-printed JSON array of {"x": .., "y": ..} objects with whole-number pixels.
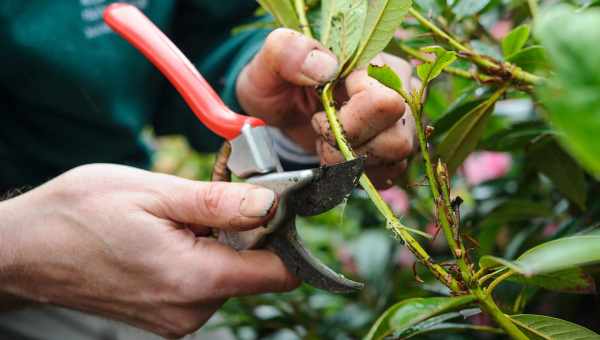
[
  {"x": 210, "y": 198},
  {"x": 387, "y": 101}
]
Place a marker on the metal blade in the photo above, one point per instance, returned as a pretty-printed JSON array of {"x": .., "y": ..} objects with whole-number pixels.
[
  {"x": 330, "y": 186},
  {"x": 300, "y": 262}
]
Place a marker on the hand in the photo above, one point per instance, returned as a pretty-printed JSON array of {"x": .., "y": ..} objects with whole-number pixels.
[
  {"x": 127, "y": 244},
  {"x": 279, "y": 87}
]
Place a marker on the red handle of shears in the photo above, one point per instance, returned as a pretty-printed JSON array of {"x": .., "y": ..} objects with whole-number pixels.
[{"x": 130, "y": 23}]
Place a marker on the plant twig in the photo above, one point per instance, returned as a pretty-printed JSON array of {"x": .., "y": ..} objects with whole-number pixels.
[
  {"x": 300, "y": 7},
  {"x": 399, "y": 229},
  {"x": 486, "y": 63},
  {"x": 489, "y": 306},
  {"x": 498, "y": 280}
]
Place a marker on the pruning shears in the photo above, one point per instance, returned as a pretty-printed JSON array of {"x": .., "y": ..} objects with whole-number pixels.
[{"x": 249, "y": 155}]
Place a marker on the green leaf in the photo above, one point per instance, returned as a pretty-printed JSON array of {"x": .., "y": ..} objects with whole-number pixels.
[
  {"x": 429, "y": 71},
  {"x": 549, "y": 158},
  {"x": 408, "y": 313},
  {"x": 548, "y": 328},
  {"x": 283, "y": 12},
  {"x": 572, "y": 95},
  {"x": 386, "y": 76},
  {"x": 551, "y": 257},
  {"x": 532, "y": 58},
  {"x": 440, "y": 324},
  {"x": 372, "y": 251},
  {"x": 573, "y": 280},
  {"x": 342, "y": 23},
  {"x": 516, "y": 136},
  {"x": 383, "y": 18},
  {"x": 465, "y": 8},
  {"x": 464, "y": 136},
  {"x": 517, "y": 210},
  {"x": 515, "y": 40}
]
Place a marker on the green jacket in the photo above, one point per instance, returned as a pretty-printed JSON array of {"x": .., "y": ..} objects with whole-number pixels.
[{"x": 73, "y": 92}]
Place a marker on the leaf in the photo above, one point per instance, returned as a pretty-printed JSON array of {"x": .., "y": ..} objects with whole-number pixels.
[
  {"x": 548, "y": 328},
  {"x": 516, "y": 136},
  {"x": 383, "y": 18},
  {"x": 283, "y": 12},
  {"x": 447, "y": 327},
  {"x": 573, "y": 280},
  {"x": 516, "y": 210},
  {"x": 429, "y": 71},
  {"x": 532, "y": 58},
  {"x": 549, "y": 158},
  {"x": 465, "y": 8},
  {"x": 438, "y": 323},
  {"x": 515, "y": 40},
  {"x": 552, "y": 256},
  {"x": 572, "y": 95},
  {"x": 386, "y": 76},
  {"x": 464, "y": 136},
  {"x": 408, "y": 313},
  {"x": 342, "y": 23}
]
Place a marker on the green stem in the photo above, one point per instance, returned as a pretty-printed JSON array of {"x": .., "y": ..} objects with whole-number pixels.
[
  {"x": 533, "y": 7},
  {"x": 300, "y": 7},
  {"x": 489, "y": 306},
  {"x": 488, "y": 64},
  {"x": 497, "y": 281},
  {"x": 397, "y": 227},
  {"x": 457, "y": 250}
]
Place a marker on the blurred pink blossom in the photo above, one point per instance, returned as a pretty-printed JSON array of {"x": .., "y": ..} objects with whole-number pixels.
[
  {"x": 397, "y": 199},
  {"x": 404, "y": 258},
  {"x": 501, "y": 29},
  {"x": 484, "y": 166}
]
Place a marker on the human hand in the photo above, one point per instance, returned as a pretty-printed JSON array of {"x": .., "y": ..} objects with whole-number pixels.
[
  {"x": 127, "y": 244},
  {"x": 278, "y": 86}
]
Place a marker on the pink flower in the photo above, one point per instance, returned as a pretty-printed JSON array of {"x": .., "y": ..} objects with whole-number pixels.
[
  {"x": 501, "y": 29},
  {"x": 397, "y": 199},
  {"x": 484, "y": 166}
]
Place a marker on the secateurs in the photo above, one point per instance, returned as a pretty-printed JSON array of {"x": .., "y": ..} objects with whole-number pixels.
[{"x": 301, "y": 193}]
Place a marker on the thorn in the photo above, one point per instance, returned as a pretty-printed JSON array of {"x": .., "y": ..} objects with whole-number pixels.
[{"x": 414, "y": 269}]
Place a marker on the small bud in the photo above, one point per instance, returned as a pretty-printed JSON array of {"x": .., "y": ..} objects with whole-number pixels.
[{"x": 429, "y": 131}]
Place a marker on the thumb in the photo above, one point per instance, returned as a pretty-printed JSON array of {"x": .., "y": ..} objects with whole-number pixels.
[
  {"x": 231, "y": 206},
  {"x": 290, "y": 57}
]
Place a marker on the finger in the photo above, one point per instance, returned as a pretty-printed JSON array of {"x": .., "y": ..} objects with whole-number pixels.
[
  {"x": 383, "y": 176},
  {"x": 290, "y": 57},
  {"x": 247, "y": 272},
  {"x": 392, "y": 145},
  {"x": 232, "y": 206},
  {"x": 365, "y": 115}
]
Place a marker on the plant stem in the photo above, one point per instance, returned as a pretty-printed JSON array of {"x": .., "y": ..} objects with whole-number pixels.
[
  {"x": 300, "y": 7},
  {"x": 398, "y": 228},
  {"x": 487, "y": 64},
  {"x": 489, "y": 306},
  {"x": 484, "y": 78},
  {"x": 497, "y": 281},
  {"x": 457, "y": 250},
  {"x": 533, "y": 7}
]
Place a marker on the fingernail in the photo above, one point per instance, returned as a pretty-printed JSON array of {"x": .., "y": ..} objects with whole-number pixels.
[
  {"x": 257, "y": 202},
  {"x": 320, "y": 66}
]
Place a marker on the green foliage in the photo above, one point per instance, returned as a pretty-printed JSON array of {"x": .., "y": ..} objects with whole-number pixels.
[
  {"x": 341, "y": 30},
  {"x": 411, "y": 312},
  {"x": 572, "y": 96},
  {"x": 383, "y": 18},
  {"x": 466, "y": 8},
  {"x": 553, "y": 256},
  {"x": 464, "y": 136},
  {"x": 549, "y": 158},
  {"x": 515, "y": 40},
  {"x": 283, "y": 12},
  {"x": 573, "y": 280},
  {"x": 385, "y": 75},
  {"x": 429, "y": 71},
  {"x": 548, "y": 328}
]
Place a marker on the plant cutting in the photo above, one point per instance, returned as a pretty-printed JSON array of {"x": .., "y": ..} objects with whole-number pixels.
[{"x": 562, "y": 83}]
